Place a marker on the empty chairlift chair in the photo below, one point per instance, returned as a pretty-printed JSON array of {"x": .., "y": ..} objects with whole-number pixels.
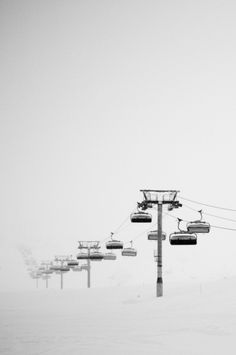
[
  {"x": 64, "y": 269},
  {"x": 55, "y": 267},
  {"x": 96, "y": 255},
  {"x": 82, "y": 256},
  {"x": 198, "y": 226},
  {"x": 114, "y": 244},
  {"x": 47, "y": 272},
  {"x": 72, "y": 263},
  {"x": 129, "y": 251},
  {"x": 182, "y": 237},
  {"x": 141, "y": 217},
  {"x": 153, "y": 235},
  {"x": 109, "y": 256}
]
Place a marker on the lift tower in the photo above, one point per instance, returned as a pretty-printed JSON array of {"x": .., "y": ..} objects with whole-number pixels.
[
  {"x": 159, "y": 198},
  {"x": 62, "y": 260},
  {"x": 90, "y": 246}
]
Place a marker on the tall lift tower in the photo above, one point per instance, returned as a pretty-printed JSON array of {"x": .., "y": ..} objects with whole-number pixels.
[{"x": 159, "y": 198}]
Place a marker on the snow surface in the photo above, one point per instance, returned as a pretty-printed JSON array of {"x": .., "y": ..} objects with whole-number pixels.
[{"x": 190, "y": 319}]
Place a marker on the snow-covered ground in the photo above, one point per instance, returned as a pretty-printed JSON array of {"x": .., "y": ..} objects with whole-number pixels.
[{"x": 191, "y": 318}]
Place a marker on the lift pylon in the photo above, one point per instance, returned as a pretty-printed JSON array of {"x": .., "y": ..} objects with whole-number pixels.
[{"x": 159, "y": 198}]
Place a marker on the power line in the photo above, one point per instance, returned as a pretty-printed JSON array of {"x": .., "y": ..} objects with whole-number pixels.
[{"x": 205, "y": 204}]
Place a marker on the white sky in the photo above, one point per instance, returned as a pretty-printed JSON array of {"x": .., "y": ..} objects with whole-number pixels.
[{"x": 101, "y": 99}]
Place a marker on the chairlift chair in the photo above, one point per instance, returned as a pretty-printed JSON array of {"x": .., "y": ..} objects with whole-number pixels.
[
  {"x": 114, "y": 244},
  {"x": 198, "y": 226},
  {"x": 141, "y": 217},
  {"x": 72, "y": 263},
  {"x": 96, "y": 256},
  {"x": 82, "y": 256},
  {"x": 182, "y": 237},
  {"x": 47, "y": 272},
  {"x": 54, "y": 267},
  {"x": 110, "y": 256},
  {"x": 64, "y": 269},
  {"x": 129, "y": 251},
  {"x": 153, "y": 235}
]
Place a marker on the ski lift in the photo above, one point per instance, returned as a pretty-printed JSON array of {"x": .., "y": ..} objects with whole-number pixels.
[
  {"x": 182, "y": 237},
  {"x": 153, "y": 235},
  {"x": 96, "y": 255},
  {"x": 64, "y": 269},
  {"x": 72, "y": 263},
  {"x": 77, "y": 268},
  {"x": 198, "y": 226},
  {"x": 141, "y": 217},
  {"x": 82, "y": 256},
  {"x": 114, "y": 244},
  {"x": 47, "y": 272},
  {"x": 109, "y": 256},
  {"x": 54, "y": 267},
  {"x": 129, "y": 251}
]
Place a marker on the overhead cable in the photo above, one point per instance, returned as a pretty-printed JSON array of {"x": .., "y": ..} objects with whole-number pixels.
[
  {"x": 209, "y": 214},
  {"x": 205, "y": 204}
]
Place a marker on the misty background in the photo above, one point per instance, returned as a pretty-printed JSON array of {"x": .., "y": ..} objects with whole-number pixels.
[{"x": 100, "y": 100}]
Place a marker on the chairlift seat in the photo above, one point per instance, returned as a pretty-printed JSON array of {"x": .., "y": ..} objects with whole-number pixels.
[
  {"x": 110, "y": 256},
  {"x": 198, "y": 227},
  {"x": 72, "y": 263},
  {"x": 114, "y": 244},
  {"x": 141, "y": 217},
  {"x": 82, "y": 256},
  {"x": 54, "y": 267},
  {"x": 183, "y": 238},
  {"x": 64, "y": 269},
  {"x": 96, "y": 256},
  {"x": 47, "y": 272},
  {"x": 153, "y": 235},
  {"x": 129, "y": 252}
]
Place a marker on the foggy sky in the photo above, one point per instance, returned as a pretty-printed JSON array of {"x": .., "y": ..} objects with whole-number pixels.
[{"x": 100, "y": 100}]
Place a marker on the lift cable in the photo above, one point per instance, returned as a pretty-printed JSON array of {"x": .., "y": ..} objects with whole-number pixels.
[
  {"x": 218, "y": 227},
  {"x": 153, "y": 225},
  {"x": 209, "y": 214},
  {"x": 142, "y": 233},
  {"x": 122, "y": 224},
  {"x": 205, "y": 204}
]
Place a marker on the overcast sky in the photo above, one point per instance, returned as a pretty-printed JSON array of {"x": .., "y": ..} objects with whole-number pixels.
[{"x": 100, "y": 99}]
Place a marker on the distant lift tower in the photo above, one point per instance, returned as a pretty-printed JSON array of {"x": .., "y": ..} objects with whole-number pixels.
[
  {"x": 159, "y": 198},
  {"x": 62, "y": 260},
  {"x": 89, "y": 250}
]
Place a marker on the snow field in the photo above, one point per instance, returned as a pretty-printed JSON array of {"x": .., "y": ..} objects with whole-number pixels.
[{"x": 190, "y": 319}]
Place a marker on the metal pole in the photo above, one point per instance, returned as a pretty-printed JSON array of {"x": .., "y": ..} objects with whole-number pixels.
[
  {"x": 159, "y": 289},
  {"x": 89, "y": 267},
  {"x": 46, "y": 282},
  {"x": 61, "y": 276},
  {"x": 37, "y": 282},
  {"x": 61, "y": 280}
]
